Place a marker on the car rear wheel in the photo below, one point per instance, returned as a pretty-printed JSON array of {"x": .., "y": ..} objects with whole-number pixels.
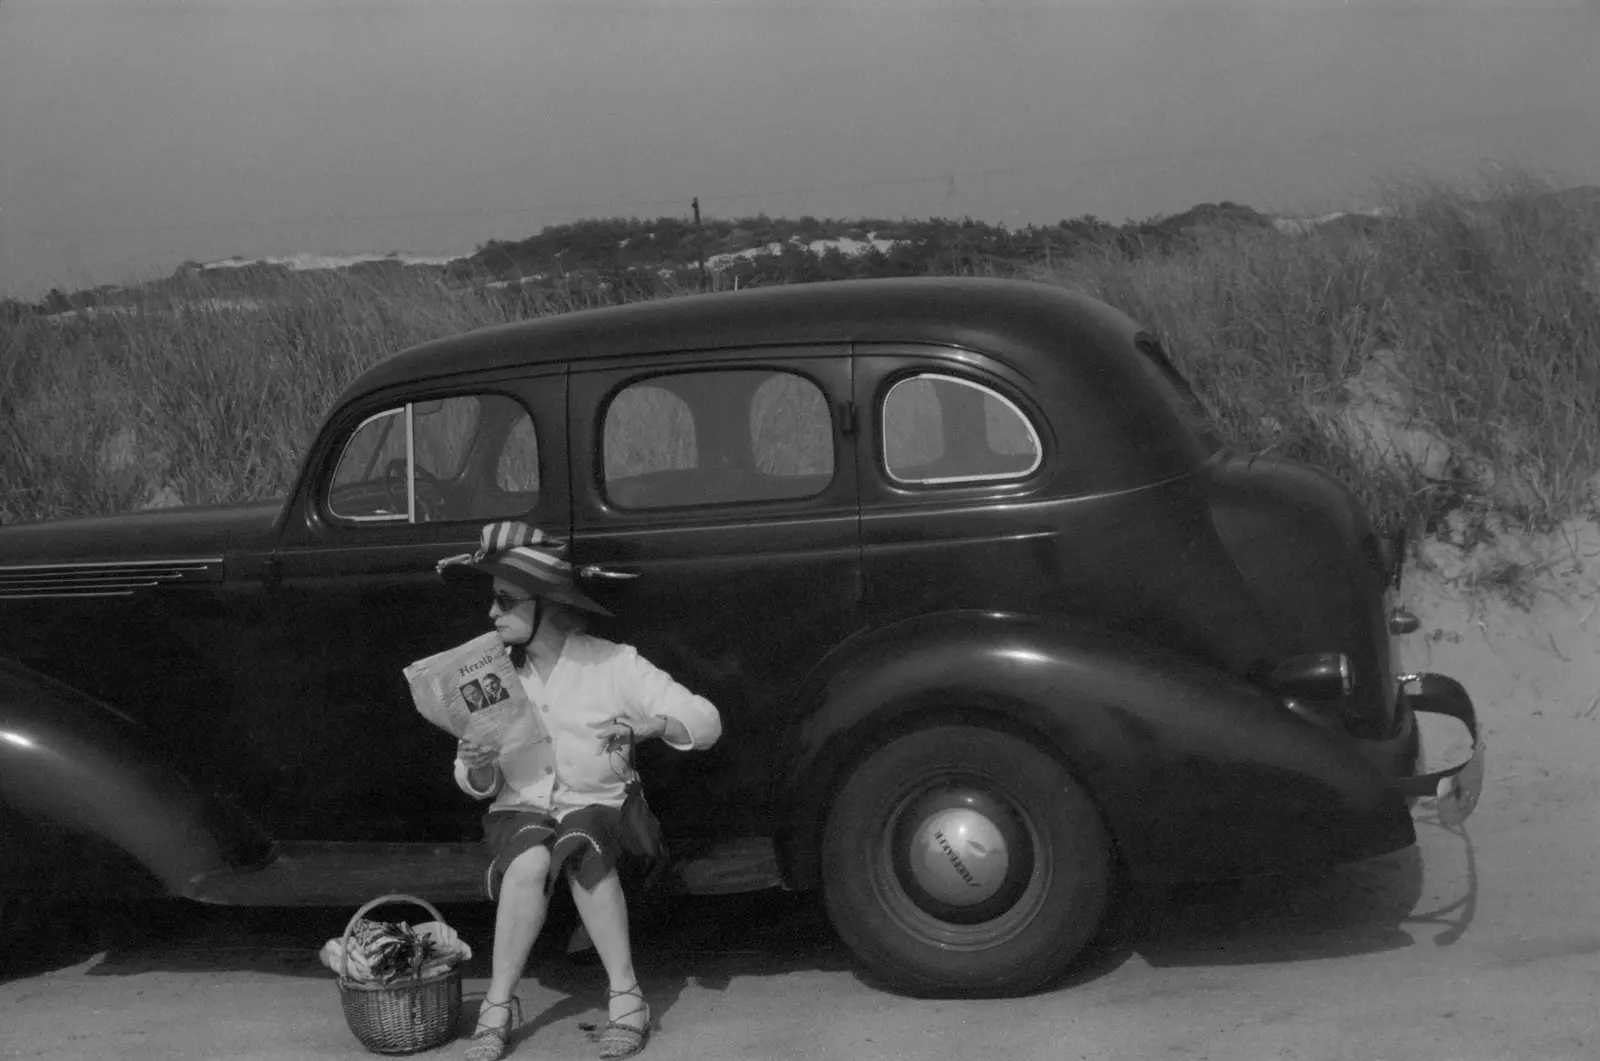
[{"x": 960, "y": 860}]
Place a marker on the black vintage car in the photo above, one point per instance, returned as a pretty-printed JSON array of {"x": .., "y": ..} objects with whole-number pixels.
[{"x": 992, "y": 620}]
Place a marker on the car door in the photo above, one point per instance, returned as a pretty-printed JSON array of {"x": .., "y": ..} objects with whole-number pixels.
[
  {"x": 715, "y": 513},
  {"x": 952, "y": 466},
  {"x": 328, "y": 742},
  {"x": 972, "y": 499}
]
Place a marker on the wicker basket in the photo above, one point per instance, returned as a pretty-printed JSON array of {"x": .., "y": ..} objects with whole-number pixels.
[{"x": 405, "y": 1016}]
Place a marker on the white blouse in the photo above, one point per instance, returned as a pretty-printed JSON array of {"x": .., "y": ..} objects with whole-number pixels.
[{"x": 556, "y": 762}]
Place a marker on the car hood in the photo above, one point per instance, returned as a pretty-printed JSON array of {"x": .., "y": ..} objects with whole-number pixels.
[{"x": 209, "y": 530}]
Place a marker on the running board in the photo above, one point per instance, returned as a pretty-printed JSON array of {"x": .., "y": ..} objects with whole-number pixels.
[
  {"x": 349, "y": 874},
  {"x": 749, "y": 864}
]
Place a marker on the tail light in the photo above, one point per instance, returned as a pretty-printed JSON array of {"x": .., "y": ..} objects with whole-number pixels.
[
  {"x": 1402, "y": 620},
  {"x": 1314, "y": 676}
]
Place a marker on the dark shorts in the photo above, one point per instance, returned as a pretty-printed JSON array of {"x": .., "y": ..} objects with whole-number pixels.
[{"x": 586, "y": 843}]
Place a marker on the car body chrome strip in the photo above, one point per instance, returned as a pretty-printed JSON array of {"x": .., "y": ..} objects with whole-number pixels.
[
  {"x": 114, "y": 578},
  {"x": 180, "y": 561}
]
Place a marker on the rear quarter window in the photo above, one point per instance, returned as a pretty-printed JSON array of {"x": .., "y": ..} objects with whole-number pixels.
[{"x": 943, "y": 429}]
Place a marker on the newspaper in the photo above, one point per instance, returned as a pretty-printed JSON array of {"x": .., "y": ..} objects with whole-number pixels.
[{"x": 472, "y": 692}]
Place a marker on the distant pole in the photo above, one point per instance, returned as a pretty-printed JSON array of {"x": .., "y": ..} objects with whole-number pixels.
[{"x": 700, "y": 244}]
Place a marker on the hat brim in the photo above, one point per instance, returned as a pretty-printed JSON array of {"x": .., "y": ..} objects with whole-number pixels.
[{"x": 531, "y": 584}]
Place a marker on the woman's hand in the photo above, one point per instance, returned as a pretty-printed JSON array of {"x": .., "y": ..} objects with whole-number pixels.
[
  {"x": 613, "y": 732},
  {"x": 476, "y": 756}
]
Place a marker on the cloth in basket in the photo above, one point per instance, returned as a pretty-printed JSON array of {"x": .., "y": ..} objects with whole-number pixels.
[{"x": 381, "y": 951}]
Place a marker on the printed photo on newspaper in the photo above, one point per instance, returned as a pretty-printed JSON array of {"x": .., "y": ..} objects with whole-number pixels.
[{"x": 471, "y": 691}]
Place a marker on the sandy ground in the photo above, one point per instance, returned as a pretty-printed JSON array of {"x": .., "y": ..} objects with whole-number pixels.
[{"x": 1476, "y": 944}]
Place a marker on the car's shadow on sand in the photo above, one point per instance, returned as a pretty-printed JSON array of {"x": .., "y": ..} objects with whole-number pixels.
[
  {"x": 770, "y": 931},
  {"x": 1361, "y": 908}
]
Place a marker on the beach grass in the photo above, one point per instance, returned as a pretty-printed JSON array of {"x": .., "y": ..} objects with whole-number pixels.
[
  {"x": 1480, "y": 305},
  {"x": 1475, "y": 312}
]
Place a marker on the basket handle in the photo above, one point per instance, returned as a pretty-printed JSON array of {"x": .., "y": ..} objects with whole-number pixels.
[{"x": 344, "y": 943}]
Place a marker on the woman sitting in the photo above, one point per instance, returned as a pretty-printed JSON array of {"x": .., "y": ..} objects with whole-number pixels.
[{"x": 558, "y": 779}]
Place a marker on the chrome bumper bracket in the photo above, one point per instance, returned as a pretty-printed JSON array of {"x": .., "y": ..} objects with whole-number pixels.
[{"x": 1456, "y": 789}]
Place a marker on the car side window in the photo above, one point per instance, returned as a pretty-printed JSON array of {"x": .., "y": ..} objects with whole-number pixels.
[
  {"x": 648, "y": 429},
  {"x": 712, "y": 437},
  {"x": 517, "y": 470},
  {"x": 942, "y": 429},
  {"x": 463, "y": 458},
  {"x": 444, "y": 432}
]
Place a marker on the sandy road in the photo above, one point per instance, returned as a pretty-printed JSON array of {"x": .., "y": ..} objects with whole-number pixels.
[
  {"x": 1481, "y": 944},
  {"x": 1470, "y": 946}
]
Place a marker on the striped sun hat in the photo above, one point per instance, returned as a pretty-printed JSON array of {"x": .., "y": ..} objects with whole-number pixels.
[{"x": 527, "y": 558}]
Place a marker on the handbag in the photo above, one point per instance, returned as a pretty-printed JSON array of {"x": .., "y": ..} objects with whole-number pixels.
[{"x": 641, "y": 830}]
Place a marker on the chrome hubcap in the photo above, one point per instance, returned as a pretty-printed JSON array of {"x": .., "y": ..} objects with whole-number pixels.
[
  {"x": 962, "y": 854},
  {"x": 958, "y": 856}
]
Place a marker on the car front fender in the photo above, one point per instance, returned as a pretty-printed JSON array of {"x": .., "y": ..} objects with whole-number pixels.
[
  {"x": 73, "y": 762},
  {"x": 1198, "y": 774}
]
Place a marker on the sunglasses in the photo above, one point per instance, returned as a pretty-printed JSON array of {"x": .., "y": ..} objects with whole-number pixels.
[{"x": 507, "y": 603}]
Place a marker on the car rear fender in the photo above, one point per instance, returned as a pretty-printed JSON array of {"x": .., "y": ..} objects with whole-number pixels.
[
  {"x": 1197, "y": 774},
  {"x": 74, "y": 762},
  {"x": 1316, "y": 568}
]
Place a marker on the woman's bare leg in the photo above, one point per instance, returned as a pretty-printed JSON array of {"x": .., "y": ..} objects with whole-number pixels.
[
  {"x": 517, "y": 921},
  {"x": 604, "y": 910}
]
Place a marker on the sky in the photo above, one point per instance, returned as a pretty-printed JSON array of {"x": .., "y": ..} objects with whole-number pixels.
[{"x": 137, "y": 134}]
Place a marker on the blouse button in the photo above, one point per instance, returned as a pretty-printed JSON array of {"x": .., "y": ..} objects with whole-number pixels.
[
  {"x": 545, "y": 708},
  {"x": 549, "y": 769}
]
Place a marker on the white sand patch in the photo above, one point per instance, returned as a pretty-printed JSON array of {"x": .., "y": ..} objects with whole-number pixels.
[
  {"x": 1515, "y": 617},
  {"x": 1297, "y": 226},
  {"x": 722, "y": 261},
  {"x": 166, "y": 497},
  {"x": 1378, "y": 421},
  {"x": 850, "y": 248},
  {"x": 305, "y": 262}
]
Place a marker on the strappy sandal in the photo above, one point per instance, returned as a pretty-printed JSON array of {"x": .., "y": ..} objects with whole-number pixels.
[
  {"x": 618, "y": 1040},
  {"x": 489, "y": 1044}
]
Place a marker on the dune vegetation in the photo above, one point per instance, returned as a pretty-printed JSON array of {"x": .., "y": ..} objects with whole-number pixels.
[{"x": 1442, "y": 354}]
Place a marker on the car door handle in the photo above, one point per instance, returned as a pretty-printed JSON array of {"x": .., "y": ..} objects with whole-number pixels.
[{"x": 596, "y": 571}]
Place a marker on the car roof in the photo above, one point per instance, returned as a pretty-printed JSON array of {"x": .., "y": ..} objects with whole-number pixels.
[{"x": 1014, "y": 319}]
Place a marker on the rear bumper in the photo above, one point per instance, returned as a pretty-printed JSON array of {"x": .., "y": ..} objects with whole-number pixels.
[{"x": 1456, "y": 788}]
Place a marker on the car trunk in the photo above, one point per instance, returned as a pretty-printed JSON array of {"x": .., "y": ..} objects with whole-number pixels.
[
  {"x": 1306, "y": 552},
  {"x": 1310, "y": 556}
]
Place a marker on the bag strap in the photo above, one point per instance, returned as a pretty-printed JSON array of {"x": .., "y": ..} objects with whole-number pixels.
[{"x": 632, "y": 774}]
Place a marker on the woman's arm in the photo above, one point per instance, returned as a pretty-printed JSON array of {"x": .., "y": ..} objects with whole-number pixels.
[
  {"x": 660, "y": 707},
  {"x": 673, "y": 732}
]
